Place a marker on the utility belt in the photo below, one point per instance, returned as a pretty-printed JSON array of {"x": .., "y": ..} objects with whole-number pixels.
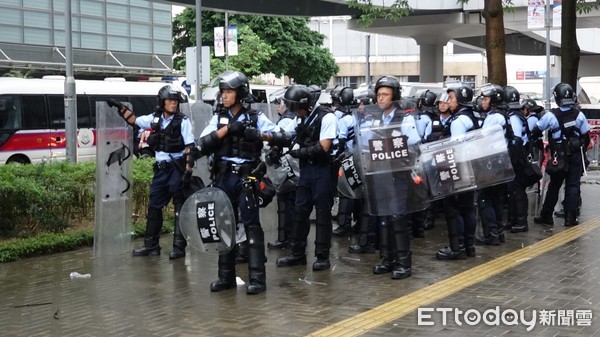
[
  {"x": 241, "y": 170},
  {"x": 167, "y": 165}
]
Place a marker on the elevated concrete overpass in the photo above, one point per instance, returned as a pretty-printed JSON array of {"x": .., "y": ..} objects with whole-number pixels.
[{"x": 433, "y": 23}]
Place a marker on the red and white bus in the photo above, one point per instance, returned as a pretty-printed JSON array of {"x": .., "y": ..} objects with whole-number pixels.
[{"x": 32, "y": 115}]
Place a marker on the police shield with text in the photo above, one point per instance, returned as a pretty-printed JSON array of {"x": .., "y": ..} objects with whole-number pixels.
[{"x": 234, "y": 137}]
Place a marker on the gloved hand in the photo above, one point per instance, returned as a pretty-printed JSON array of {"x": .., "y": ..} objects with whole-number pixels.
[
  {"x": 251, "y": 133},
  {"x": 186, "y": 179},
  {"x": 273, "y": 157},
  {"x": 114, "y": 104},
  {"x": 294, "y": 153},
  {"x": 236, "y": 128}
]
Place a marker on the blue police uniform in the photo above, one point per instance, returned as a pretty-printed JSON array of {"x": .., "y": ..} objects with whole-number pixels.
[
  {"x": 459, "y": 209},
  {"x": 567, "y": 141},
  {"x": 166, "y": 182},
  {"x": 345, "y": 138},
  {"x": 236, "y": 155},
  {"x": 315, "y": 189}
]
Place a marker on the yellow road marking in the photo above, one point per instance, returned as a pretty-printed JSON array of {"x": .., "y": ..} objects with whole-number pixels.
[{"x": 393, "y": 310}]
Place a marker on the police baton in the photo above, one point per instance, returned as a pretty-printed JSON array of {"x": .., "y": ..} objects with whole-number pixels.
[{"x": 583, "y": 161}]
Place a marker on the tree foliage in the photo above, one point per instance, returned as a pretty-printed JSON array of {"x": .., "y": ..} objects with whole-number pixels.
[{"x": 292, "y": 48}]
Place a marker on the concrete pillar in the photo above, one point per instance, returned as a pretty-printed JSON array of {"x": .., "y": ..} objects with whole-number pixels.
[{"x": 431, "y": 65}]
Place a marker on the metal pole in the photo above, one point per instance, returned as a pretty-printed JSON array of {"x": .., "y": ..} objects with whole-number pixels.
[
  {"x": 226, "y": 44},
  {"x": 547, "y": 25},
  {"x": 368, "y": 63},
  {"x": 70, "y": 93},
  {"x": 199, "y": 50}
]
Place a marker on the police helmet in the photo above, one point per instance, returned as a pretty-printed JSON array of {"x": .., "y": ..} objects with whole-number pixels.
[
  {"x": 426, "y": 99},
  {"x": 390, "y": 82},
  {"x": 563, "y": 94},
  {"x": 442, "y": 97},
  {"x": 494, "y": 92},
  {"x": 477, "y": 104},
  {"x": 512, "y": 97},
  {"x": 531, "y": 105},
  {"x": 464, "y": 94},
  {"x": 232, "y": 79},
  {"x": 170, "y": 92},
  {"x": 297, "y": 97},
  {"x": 342, "y": 96},
  {"x": 315, "y": 93}
]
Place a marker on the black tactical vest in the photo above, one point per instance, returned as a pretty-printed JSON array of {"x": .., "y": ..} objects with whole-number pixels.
[
  {"x": 463, "y": 111},
  {"x": 238, "y": 146},
  {"x": 170, "y": 139}
]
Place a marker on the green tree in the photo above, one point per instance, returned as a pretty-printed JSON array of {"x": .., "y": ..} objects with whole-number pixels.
[
  {"x": 298, "y": 52},
  {"x": 569, "y": 51}
]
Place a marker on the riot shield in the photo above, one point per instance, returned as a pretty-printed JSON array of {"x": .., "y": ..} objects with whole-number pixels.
[
  {"x": 389, "y": 164},
  {"x": 114, "y": 164},
  {"x": 475, "y": 160},
  {"x": 201, "y": 114},
  {"x": 207, "y": 221},
  {"x": 350, "y": 183},
  {"x": 270, "y": 110},
  {"x": 284, "y": 174}
]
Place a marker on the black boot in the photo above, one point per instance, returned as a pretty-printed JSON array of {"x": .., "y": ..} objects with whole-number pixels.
[
  {"x": 344, "y": 217},
  {"x": 385, "y": 249},
  {"x": 150, "y": 248},
  {"x": 560, "y": 214},
  {"x": 571, "y": 218},
  {"x": 256, "y": 260},
  {"x": 545, "y": 218},
  {"x": 151, "y": 236},
  {"x": 402, "y": 267},
  {"x": 323, "y": 240},
  {"x": 470, "y": 247},
  {"x": 226, "y": 278},
  {"x": 179, "y": 242},
  {"x": 454, "y": 251},
  {"x": 282, "y": 234},
  {"x": 242, "y": 252},
  {"x": 297, "y": 241},
  {"x": 366, "y": 240}
]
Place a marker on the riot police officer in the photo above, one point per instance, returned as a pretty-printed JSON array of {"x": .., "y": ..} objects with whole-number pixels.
[
  {"x": 459, "y": 209},
  {"x": 286, "y": 194},
  {"x": 568, "y": 137},
  {"x": 171, "y": 139},
  {"x": 491, "y": 198},
  {"x": 394, "y": 234},
  {"x": 341, "y": 98},
  {"x": 313, "y": 144},
  {"x": 521, "y": 149},
  {"x": 234, "y": 136}
]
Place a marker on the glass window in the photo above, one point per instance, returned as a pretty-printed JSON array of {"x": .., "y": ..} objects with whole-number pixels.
[
  {"x": 143, "y": 105},
  {"x": 39, "y": 4},
  {"x": 117, "y": 28},
  {"x": 84, "y": 118},
  {"x": 141, "y": 46},
  {"x": 56, "y": 110},
  {"x": 37, "y": 19},
  {"x": 89, "y": 25},
  {"x": 139, "y": 30},
  {"x": 114, "y": 11},
  {"x": 93, "y": 41},
  {"x": 163, "y": 48},
  {"x": 11, "y": 16},
  {"x": 93, "y": 8},
  {"x": 118, "y": 43},
  {"x": 38, "y": 36},
  {"x": 34, "y": 112},
  {"x": 160, "y": 17},
  {"x": 162, "y": 33},
  {"x": 11, "y": 34},
  {"x": 141, "y": 14},
  {"x": 10, "y": 112}
]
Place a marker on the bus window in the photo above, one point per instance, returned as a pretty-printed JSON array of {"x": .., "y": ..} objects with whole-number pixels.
[
  {"x": 10, "y": 117},
  {"x": 84, "y": 120},
  {"x": 56, "y": 109},
  {"x": 143, "y": 105},
  {"x": 33, "y": 112}
]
